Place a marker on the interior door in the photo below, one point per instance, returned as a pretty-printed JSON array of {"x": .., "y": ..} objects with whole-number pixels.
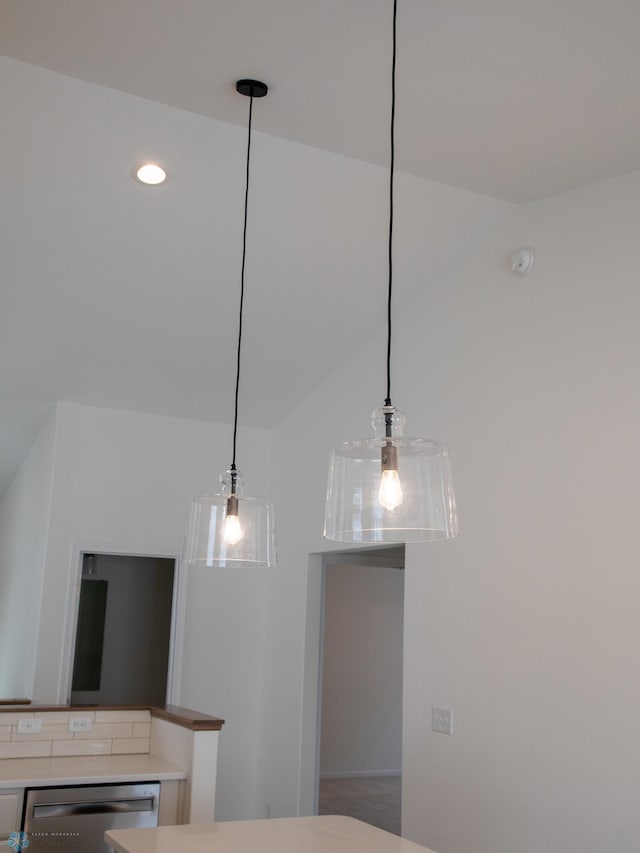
[{"x": 123, "y": 631}]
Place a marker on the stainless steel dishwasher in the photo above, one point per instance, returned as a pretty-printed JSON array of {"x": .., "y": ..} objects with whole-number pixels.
[{"x": 77, "y": 817}]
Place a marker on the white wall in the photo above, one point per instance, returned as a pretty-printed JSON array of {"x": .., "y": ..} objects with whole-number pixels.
[
  {"x": 302, "y": 441},
  {"x": 124, "y": 479},
  {"x": 24, "y": 527},
  {"x": 527, "y": 624},
  {"x": 362, "y": 671}
]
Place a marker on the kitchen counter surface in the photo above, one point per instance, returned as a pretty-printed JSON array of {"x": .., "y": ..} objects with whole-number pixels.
[
  {"x": 325, "y": 834},
  {"x": 85, "y": 770}
]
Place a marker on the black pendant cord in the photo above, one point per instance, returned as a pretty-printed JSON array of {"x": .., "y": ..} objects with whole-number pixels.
[
  {"x": 244, "y": 254},
  {"x": 387, "y": 401}
]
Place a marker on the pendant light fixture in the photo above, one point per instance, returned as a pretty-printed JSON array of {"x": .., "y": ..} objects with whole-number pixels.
[
  {"x": 230, "y": 529},
  {"x": 390, "y": 488}
]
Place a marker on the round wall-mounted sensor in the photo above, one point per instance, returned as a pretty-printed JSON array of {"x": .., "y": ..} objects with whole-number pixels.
[
  {"x": 522, "y": 261},
  {"x": 150, "y": 174}
]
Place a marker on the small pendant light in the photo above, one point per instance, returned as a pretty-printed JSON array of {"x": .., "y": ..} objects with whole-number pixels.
[
  {"x": 230, "y": 529},
  {"x": 390, "y": 488}
]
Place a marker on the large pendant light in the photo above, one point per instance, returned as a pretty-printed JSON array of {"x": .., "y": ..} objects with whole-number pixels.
[
  {"x": 390, "y": 488},
  {"x": 230, "y": 529}
]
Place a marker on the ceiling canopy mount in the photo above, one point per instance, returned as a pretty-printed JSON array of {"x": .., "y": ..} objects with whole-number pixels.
[{"x": 252, "y": 88}]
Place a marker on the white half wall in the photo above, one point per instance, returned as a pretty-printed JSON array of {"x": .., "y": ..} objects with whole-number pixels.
[
  {"x": 362, "y": 670},
  {"x": 24, "y": 528}
]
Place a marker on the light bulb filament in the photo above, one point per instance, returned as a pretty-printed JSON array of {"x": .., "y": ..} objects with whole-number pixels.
[
  {"x": 390, "y": 491},
  {"x": 233, "y": 531}
]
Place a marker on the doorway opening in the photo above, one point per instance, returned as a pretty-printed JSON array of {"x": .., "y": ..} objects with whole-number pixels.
[
  {"x": 359, "y": 762},
  {"x": 123, "y": 639}
]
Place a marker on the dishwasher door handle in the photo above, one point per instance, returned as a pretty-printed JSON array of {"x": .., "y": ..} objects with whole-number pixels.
[{"x": 137, "y": 804}]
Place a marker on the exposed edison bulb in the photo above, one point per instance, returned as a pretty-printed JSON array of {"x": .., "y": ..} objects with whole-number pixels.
[
  {"x": 390, "y": 491},
  {"x": 233, "y": 532}
]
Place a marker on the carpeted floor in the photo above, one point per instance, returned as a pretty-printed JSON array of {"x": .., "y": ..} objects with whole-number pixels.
[{"x": 372, "y": 799}]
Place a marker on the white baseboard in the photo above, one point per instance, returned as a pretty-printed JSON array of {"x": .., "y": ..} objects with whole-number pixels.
[{"x": 353, "y": 774}]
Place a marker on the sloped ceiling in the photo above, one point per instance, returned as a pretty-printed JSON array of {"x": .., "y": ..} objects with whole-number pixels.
[
  {"x": 117, "y": 295},
  {"x": 513, "y": 99}
]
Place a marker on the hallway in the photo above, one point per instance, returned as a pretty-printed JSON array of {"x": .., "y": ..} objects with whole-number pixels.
[{"x": 372, "y": 799}]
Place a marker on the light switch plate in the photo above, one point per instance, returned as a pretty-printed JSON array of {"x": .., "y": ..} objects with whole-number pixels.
[
  {"x": 29, "y": 726},
  {"x": 442, "y": 720}
]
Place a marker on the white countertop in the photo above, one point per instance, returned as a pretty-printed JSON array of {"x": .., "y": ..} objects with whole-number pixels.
[
  {"x": 85, "y": 770},
  {"x": 326, "y": 834}
]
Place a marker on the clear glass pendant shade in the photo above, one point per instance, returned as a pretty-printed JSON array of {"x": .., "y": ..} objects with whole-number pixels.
[
  {"x": 390, "y": 488},
  {"x": 231, "y": 530}
]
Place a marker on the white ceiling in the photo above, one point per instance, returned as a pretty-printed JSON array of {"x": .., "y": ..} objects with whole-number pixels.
[
  {"x": 512, "y": 98},
  {"x": 116, "y": 295}
]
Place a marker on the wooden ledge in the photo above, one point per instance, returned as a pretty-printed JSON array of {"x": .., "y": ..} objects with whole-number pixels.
[{"x": 193, "y": 720}]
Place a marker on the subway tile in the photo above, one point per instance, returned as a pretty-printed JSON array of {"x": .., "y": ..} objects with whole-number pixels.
[
  {"x": 141, "y": 729},
  {"x": 80, "y": 747},
  {"x": 5, "y": 732},
  {"x": 25, "y": 749},
  {"x": 57, "y": 730},
  {"x": 123, "y": 716},
  {"x": 9, "y": 719},
  {"x": 106, "y": 730},
  {"x": 130, "y": 745}
]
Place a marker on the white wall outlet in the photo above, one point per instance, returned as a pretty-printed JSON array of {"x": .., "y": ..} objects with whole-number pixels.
[
  {"x": 80, "y": 724},
  {"x": 442, "y": 720},
  {"x": 29, "y": 726}
]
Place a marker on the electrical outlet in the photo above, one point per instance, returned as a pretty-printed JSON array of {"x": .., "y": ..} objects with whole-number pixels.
[
  {"x": 442, "y": 720},
  {"x": 29, "y": 726},
  {"x": 80, "y": 724}
]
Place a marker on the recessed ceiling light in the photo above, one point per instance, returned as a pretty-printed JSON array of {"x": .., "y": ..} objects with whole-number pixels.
[{"x": 150, "y": 173}]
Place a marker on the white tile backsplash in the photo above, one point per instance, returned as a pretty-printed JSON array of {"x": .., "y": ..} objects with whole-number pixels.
[
  {"x": 123, "y": 716},
  {"x": 106, "y": 730},
  {"x": 25, "y": 749},
  {"x": 112, "y": 732},
  {"x": 51, "y": 730},
  {"x": 141, "y": 729},
  {"x": 129, "y": 745},
  {"x": 81, "y": 747}
]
